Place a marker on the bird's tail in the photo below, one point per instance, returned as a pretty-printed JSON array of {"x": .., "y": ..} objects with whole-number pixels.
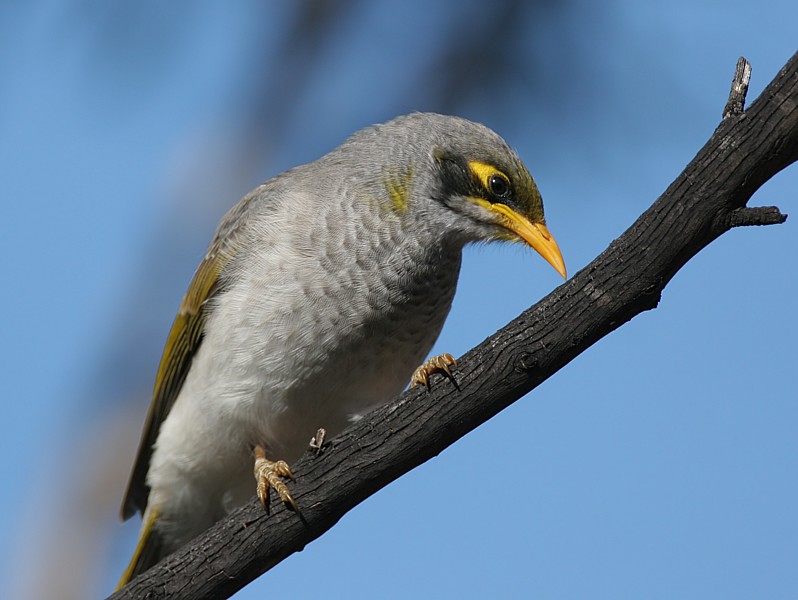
[{"x": 149, "y": 550}]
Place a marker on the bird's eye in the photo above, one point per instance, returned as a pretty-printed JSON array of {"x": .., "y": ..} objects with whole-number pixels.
[{"x": 498, "y": 185}]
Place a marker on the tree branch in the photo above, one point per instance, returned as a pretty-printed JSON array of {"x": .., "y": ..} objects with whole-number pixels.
[
  {"x": 739, "y": 89},
  {"x": 707, "y": 199}
]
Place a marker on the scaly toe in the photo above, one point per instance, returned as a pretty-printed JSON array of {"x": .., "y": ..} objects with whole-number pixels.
[
  {"x": 437, "y": 364},
  {"x": 268, "y": 475},
  {"x": 317, "y": 441}
]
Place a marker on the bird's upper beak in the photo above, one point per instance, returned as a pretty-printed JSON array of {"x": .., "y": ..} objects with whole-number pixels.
[{"x": 535, "y": 234}]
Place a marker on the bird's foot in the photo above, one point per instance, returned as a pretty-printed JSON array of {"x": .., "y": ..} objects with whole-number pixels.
[
  {"x": 317, "y": 441},
  {"x": 268, "y": 474},
  {"x": 436, "y": 364}
]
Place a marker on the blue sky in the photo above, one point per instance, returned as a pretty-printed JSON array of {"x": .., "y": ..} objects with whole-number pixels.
[{"x": 661, "y": 463}]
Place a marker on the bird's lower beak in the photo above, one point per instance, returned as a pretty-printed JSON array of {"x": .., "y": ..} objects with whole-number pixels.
[{"x": 536, "y": 235}]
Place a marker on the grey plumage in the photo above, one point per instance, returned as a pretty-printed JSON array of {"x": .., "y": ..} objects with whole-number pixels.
[{"x": 322, "y": 290}]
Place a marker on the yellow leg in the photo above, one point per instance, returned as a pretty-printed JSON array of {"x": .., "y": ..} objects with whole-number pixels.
[
  {"x": 268, "y": 474},
  {"x": 437, "y": 364}
]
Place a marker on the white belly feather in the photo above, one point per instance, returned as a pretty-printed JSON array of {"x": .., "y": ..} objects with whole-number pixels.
[{"x": 282, "y": 356}]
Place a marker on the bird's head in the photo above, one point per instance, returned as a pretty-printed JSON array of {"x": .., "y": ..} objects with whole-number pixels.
[
  {"x": 490, "y": 185},
  {"x": 478, "y": 176},
  {"x": 454, "y": 174}
]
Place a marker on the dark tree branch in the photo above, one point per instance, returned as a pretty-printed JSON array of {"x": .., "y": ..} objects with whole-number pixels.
[
  {"x": 707, "y": 199},
  {"x": 761, "y": 215},
  {"x": 739, "y": 89}
]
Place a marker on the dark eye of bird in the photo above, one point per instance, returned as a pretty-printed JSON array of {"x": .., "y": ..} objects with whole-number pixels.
[{"x": 498, "y": 185}]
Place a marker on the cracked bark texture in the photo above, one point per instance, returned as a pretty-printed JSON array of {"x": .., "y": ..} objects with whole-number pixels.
[{"x": 707, "y": 199}]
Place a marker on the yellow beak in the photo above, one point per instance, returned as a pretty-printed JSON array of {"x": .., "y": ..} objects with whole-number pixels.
[{"x": 535, "y": 234}]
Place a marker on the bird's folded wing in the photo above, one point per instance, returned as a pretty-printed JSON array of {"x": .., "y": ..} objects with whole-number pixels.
[{"x": 181, "y": 345}]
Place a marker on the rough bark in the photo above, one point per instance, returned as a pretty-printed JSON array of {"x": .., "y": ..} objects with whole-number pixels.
[{"x": 707, "y": 199}]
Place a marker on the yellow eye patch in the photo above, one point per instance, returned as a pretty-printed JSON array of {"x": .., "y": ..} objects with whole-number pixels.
[{"x": 484, "y": 172}]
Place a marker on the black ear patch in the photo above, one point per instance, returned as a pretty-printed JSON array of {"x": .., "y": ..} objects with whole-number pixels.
[
  {"x": 474, "y": 178},
  {"x": 455, "y": 174}
]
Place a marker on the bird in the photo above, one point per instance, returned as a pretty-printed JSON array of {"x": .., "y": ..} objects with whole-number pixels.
[{"x": 321, "y": 293}]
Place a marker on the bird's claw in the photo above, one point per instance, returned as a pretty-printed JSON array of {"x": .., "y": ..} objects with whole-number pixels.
[
  {"x": 436, "y": 364},
  {"x": 268, "y": 474},
  {"x": 317, "y": 441}
]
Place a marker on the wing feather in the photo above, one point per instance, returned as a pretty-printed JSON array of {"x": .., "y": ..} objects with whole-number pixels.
[{"x": 183, "y": 342}]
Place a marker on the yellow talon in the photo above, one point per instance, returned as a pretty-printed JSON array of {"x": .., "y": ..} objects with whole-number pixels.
[
  {"x": 436, "y": 364},
  {"x": 268, "y": 474}
]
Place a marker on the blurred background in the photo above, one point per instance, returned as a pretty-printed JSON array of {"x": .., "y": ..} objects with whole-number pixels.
[{"x": 661, "y": 463}]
